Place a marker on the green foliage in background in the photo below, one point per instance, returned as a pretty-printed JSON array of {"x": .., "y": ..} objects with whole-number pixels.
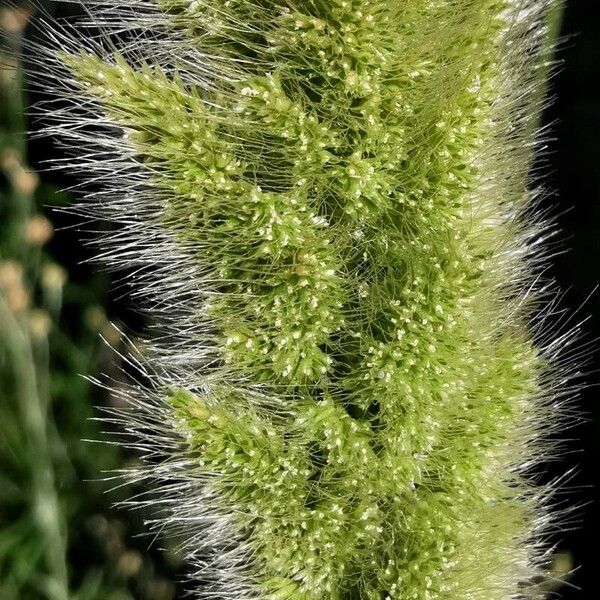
[{"x": 59, "y": 537}]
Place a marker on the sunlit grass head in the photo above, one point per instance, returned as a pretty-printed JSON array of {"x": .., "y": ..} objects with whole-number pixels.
[{"x": 331, "y": 209}]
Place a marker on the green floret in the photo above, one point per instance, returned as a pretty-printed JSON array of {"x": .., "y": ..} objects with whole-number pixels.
[{"x": 277, "y": 285}]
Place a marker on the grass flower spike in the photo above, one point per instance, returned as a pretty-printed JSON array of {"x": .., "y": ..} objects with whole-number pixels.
[{"x": 326, "y": 208}]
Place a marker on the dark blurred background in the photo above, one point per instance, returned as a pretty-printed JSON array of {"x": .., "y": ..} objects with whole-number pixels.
[
  {"x": 104, "y": 541},
  {"x": 572, "y": 169}
]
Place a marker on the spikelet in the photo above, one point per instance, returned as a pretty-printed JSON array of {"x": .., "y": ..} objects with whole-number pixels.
[{"x": 326, "y": 207}]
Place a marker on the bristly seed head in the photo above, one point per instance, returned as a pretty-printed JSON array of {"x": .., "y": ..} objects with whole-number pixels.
[{"x": 325, "y": 204}]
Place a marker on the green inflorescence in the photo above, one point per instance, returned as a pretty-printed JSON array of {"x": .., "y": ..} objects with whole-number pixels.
[{"x": 361, "y": 268}]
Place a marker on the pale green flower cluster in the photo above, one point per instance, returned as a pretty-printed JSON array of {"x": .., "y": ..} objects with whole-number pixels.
[{"x": 351, "y": 175}]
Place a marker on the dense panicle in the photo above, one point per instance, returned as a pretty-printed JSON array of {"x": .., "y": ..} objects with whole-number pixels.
[{"x": 329, "y": 207}]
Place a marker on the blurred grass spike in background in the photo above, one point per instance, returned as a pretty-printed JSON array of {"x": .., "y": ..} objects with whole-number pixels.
[{"x": 60, "y": 539}]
